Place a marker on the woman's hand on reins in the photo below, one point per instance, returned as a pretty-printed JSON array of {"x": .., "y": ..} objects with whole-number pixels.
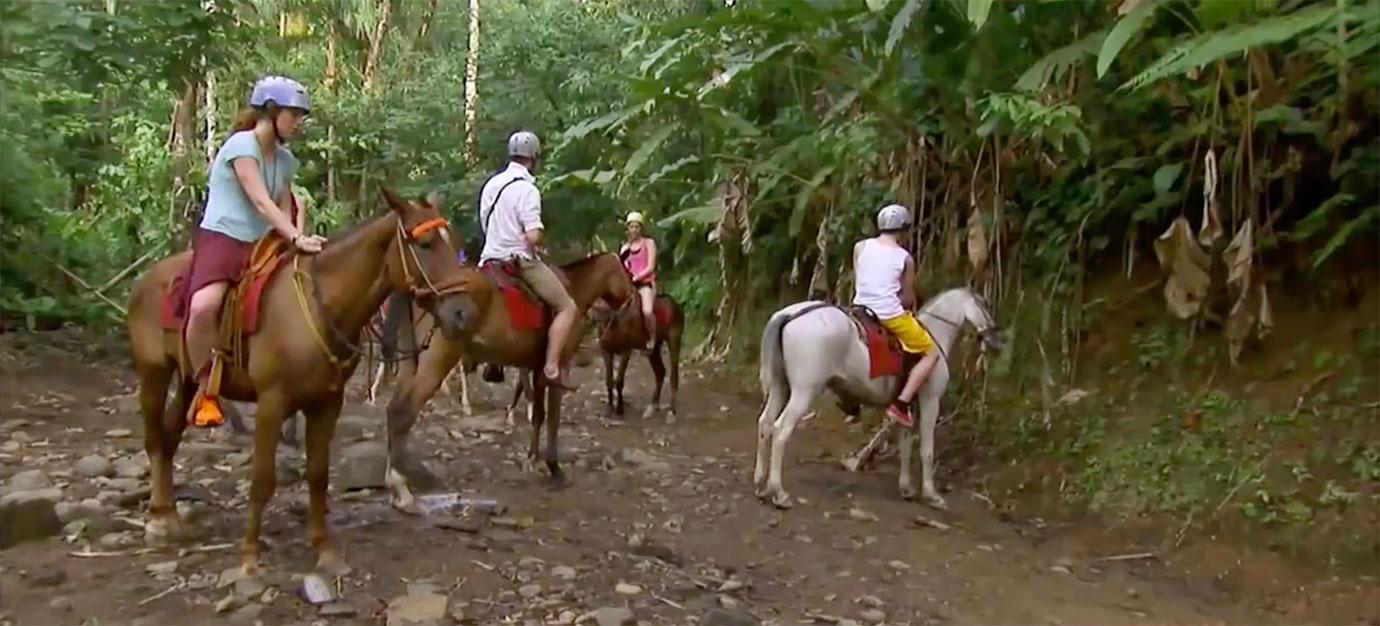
[{"x": 308, "y": 244}]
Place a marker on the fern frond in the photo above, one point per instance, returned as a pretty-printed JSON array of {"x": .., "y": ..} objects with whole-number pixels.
[
  {"x": 1054, "y": 65},
  {"x": 1209, "y": 47}
]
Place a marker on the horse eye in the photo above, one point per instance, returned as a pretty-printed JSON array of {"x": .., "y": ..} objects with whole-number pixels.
[{"x": 424, "y": 244}]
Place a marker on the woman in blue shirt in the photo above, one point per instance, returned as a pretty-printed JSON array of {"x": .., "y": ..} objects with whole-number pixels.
[{"x": 249, "y": 197}]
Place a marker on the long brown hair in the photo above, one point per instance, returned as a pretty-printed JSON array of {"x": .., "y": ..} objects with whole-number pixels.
[{"x": 248, "y": 117}]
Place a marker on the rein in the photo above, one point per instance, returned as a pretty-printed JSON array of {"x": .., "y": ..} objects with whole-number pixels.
[{"x": 428, "y": 288}]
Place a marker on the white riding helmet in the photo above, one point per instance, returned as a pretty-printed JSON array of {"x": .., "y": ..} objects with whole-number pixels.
[
  {"x": 279, "y": 90},
  {"x": 524, "y": 144},
  {"x": 635, "y": 217},
  {"x": 893, "y": 217}
]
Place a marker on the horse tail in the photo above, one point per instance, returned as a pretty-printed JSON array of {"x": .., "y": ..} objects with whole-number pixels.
[
  {"x": 399, "y": 311},
  {"x": 771, "y": 363}
]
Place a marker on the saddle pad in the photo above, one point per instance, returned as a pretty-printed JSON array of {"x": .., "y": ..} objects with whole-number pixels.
[
  {"x": 173, "y": 317},
  {"x": 883, "y": 351},
  {"x": 662, "y": 312},
  {"x": 524, "y": 311}
]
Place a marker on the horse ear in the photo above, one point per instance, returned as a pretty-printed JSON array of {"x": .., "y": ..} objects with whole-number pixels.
[
  {"x": 434, "y": 199},
  {"x": 393, "y": 200}
]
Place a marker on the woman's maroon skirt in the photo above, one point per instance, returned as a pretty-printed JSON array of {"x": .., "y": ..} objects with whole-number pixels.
[{"x": 215, "y": 258}]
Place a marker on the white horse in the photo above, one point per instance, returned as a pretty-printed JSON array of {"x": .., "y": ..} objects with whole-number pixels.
[{"x": 810, "y": 346}]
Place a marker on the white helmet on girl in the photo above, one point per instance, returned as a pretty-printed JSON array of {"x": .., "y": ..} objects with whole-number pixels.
[{"x": 893, "y": 217}]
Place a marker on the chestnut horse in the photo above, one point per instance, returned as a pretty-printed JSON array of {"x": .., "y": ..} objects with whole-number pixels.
[
  {"x": 624, "y": 331},
  {"x": 300, "y": 359},
  {"x": 489, "y": 337}
]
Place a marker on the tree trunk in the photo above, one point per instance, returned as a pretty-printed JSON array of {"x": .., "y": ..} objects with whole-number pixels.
[
  {"x": 332, "y": 71},
  {"x": 734, "y": 238},
  {"x": 472, "y": 87},
  {"x": 818, "y": 288},
  {"x": 183, "y": 128},
  {"x": 371, "y": 62},
  {"x": 210, "y": 116},
  {"x": 426, "y": 24}
]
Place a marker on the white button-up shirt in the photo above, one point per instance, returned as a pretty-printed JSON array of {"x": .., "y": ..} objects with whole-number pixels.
[{"x": 505, "y": 219}]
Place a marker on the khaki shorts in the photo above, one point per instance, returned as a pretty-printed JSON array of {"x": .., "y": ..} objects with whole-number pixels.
[{"x": 546, "y": 284}]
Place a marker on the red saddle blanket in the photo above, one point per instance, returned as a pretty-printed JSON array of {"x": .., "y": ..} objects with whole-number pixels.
[
  {"x": 250, "y": 290},
  {"x": 525, "y": 312},
  {"x": 883, "y": 350},
  {"x": 662, "y": 312}
]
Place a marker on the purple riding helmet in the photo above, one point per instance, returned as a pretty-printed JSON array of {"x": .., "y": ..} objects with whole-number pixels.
[{"x": 280, "y": 90}]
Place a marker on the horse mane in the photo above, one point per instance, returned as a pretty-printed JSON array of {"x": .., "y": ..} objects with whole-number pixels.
[
  {"x": 581, "y": 263},
  {"x": 935, "y": 300},
  {"x": 346, "y": 237}
]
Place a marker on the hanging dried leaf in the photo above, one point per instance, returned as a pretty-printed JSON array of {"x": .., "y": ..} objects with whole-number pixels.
[
  {"x": 1266, "y": 323},
  {"x": 1211, "y": 229},
  {"x": 1187, "y": 266},
  {"x": 977, "y": 242},
  {"x": 1238, "y": 327},
  {"x": 1237, "y": 258},
  {"x": 953, "y": 250}
]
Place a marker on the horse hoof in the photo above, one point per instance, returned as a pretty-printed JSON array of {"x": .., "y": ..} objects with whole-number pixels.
[
  {"x": 782, "y": 500},
  {"x": 851, "y": 464},
  {"x": 417, "y": 475},
  {"x": 936, "y": 501},
  {"x": 649, "y": 412},
  {"x": 331, "y": 564},
  {"x": 557, "y": 482},
  {"x": 908, "y": 493},
  {"x": 761, "y": 492},
  {"x": 164, "y": 530},
  {"x": 249, "y": 568}
]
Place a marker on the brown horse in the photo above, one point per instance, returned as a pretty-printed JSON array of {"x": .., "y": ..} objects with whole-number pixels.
[
  {"x": 490, "y": 337},
  {"x": 299, "y": 359},
  {"x": 624, "y": 330}
]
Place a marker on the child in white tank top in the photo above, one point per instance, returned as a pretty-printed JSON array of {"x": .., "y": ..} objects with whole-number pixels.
[{"x": 885, "y": 284}]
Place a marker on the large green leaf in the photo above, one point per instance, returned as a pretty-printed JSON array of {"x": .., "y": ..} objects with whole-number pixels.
[
  {"x": 1125, "y": 30},
  {"x": 899, "y": 24},
  {"x": 978, "y": 10},
  {"x": 705, "y": 214},
  {"x": 645, "y": 150},
  {"x": 1054, "y": 65},
  {"x": 1212, "y": 46},
  {"x": 802, "y": 198},
  {"x": 1165, "y": 177}
]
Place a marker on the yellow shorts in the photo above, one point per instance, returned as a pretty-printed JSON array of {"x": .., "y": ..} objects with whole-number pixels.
[{"x": 914, "y": 339}]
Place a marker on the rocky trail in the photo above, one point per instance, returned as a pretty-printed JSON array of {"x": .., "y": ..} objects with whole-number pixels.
[{"x": 659, "y": 525}]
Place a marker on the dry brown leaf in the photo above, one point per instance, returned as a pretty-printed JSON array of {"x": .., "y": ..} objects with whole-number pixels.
[
  {"x": 953, "y": 250},
  {"x": 1187, "y": 266},
  {"x": 1211, "y": 229},
  {"x": 1238, "y": 327},
  {"x": 1266, "y": 322},
  {"x": 1237, "y": 257},
  {"x": 977, "y": 242}
]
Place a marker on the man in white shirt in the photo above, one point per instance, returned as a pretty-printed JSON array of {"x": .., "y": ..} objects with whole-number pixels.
[{"x": 510, "y": 217}]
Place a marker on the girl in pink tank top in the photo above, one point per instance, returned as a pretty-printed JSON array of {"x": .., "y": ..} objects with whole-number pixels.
[{"x": 639, "y": 259}]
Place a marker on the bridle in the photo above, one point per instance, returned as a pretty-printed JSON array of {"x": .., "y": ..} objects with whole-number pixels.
[
  {"x": 988, "y": 334},
  {"x": 421, "y": 285},
  {"x": 407, "y": 240}
]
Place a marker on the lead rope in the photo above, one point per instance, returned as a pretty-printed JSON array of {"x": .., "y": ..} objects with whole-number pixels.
[{"x": 297, "y": 275}]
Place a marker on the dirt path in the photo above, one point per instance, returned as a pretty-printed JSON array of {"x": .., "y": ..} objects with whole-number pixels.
[{"x": 660, "y": 520}]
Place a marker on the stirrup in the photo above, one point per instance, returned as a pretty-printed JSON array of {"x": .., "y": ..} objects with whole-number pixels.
[{"x": 205, "y": 412}]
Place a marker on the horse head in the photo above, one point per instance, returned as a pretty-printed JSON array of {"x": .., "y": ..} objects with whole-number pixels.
[
  {"x": 422, "y": 260},
  {"x": 978, "y": 312}
]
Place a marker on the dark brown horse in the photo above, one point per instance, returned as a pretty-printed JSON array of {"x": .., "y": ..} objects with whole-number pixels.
[
  {"x": 624, "y": 330},
  {"x": 300, "y": 359},
  {"x": 490, "y": 337}
]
